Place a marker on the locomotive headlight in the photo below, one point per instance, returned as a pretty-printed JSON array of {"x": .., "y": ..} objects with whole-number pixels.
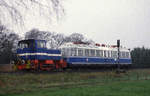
[
  {"x": 22, "y": 62},
  {"x": 12, "y": 62},
  {"x": 115, "y": 59}
]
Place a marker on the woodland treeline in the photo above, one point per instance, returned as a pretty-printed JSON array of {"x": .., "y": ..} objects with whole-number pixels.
[
  {"x": 140, "y": 57},
  {"x": 9, "y": 39}
]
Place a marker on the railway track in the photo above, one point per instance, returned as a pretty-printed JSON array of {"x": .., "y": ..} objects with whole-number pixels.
[{"x": 80, "y": 70}]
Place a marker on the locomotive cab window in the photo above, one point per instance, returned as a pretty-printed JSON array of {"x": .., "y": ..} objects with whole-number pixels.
[
  {"x": 41, "y": 44},
  {"x": 24, "y": 44}
]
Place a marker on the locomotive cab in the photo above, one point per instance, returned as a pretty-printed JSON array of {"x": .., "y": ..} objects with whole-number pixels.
[
  {"x": 27, "y": 49},
  {"x": 34, "y": 54}
]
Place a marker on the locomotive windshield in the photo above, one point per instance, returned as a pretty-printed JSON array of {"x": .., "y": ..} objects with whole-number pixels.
[
  {"x": 41, "y": 44},
  {"x": 32, "y": 44},
  {"x": 24, "y": 44}
]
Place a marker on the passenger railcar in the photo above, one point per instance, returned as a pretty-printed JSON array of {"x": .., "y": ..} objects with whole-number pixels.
[{"x": 81, "y": 54}]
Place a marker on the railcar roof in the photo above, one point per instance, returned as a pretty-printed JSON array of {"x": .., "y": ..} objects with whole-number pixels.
[{"x": 91, "y": 46}]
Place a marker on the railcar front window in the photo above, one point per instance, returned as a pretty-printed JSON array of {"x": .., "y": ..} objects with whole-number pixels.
[
  {"x": 124, "y": 55},
  {"x": 127, "y": 55}
]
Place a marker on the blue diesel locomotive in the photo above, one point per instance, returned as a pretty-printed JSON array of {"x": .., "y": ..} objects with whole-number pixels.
[{"x": 33, "y": 54}]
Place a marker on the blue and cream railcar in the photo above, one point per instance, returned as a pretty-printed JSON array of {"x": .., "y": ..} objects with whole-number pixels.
[{"x": 81, "y": 54}]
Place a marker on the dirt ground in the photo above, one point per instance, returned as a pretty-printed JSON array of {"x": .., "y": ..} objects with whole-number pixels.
[{"x": 6, "y": 68}]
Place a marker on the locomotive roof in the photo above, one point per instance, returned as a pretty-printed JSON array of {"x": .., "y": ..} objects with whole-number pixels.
[{"x": 31, "y": 40}]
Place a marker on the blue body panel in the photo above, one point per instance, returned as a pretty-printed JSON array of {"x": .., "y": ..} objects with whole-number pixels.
[
  {"x": 40, "y": 57},
  {"x": 95, "y": 60},
  {"x": 35, "y": 53}
]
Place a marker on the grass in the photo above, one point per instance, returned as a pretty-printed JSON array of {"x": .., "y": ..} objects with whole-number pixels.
[
  {"x": 128, "y": 88},
  {"x": 132, "y": 83}
]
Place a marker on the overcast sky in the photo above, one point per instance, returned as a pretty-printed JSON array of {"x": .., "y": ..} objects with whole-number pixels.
[{"x": 104, "y": 21}]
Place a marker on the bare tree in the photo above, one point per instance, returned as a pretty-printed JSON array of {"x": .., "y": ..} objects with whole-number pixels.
[
  {"x": 75, "y": 37},
  {"x": 54, "y": 40},
  {"x": 38, "y": 35},
  {"x": 15, "y": 9},
  {"x": 8, "y": 44},
  {"x": 57, "y": 40},
  {"x": 8, "y": 39}
]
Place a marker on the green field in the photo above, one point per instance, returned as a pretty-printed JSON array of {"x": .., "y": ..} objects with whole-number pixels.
[{"x": 131, "y": 83}]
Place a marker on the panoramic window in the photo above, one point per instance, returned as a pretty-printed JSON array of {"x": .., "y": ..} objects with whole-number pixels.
[
  {"x": 114, "y": 54},
  {"x": 66, "y": 52},
  {"x": 80, "y": 52},
  {"x": 73, "y": 52},
  {"x": 92, "y": 52},
  {"x": 105, "y": 53},
  {"x": 101, "y": 53},
  {"x": 98, "y": 53},
  {"x": 108, "y": 52},
  {"x": 86, "y": 52}
]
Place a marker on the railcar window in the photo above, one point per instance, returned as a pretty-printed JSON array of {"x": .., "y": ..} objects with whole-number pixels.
[
  {"x": 114, "y": 55},
  {"x": 64, "y": 51},
  {"x": 98, "y": 53},
  {"x": 68, "y": 51},
  {"x": 108, "y": 54},
  {"x": 127, "y": 54},
  {"x": 120, "y": 54},
  {"x": 105, "y": 54},
  {"x": 92, "y": 52},
  {"x": 123, "y": 54},
  {"x": 111, "y": 54},
  {"x": 86, "y": 52},
  {"x": 80, "y": 52},
  {"x": 101, "y": 53},
  {"x": 73, "y": 52}
]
